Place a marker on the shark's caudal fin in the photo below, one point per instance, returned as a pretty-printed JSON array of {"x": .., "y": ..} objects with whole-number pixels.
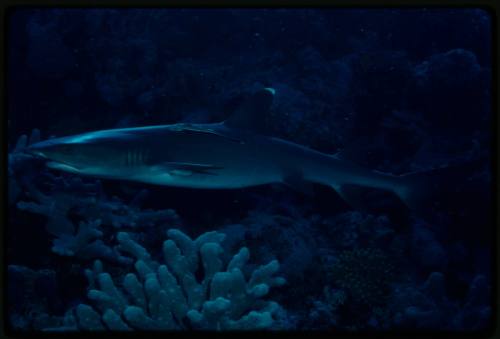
[{"x": 423, "y": 191}]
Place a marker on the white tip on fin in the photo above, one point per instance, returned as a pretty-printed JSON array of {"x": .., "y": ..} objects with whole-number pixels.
[{"x": 271, "y": 90}]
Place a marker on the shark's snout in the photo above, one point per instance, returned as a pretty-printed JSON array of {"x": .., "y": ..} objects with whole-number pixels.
[
  {"x": 73, "y": 154},
  {"x": 39, "y": 149},
  {"x": 49, "y": 148}
]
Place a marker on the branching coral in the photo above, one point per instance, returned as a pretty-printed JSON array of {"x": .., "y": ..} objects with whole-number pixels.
[
  {"x": 93, "y": 204},
  {"x": 81, "y": 242},
  {"x": 170, "y": 296}
]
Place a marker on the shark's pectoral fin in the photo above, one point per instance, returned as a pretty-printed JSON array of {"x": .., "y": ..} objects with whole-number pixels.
[
  {"x": 187, "y": 169},
  {"x": 62, "y": 167},
  {"x": 296, "y": 181}
]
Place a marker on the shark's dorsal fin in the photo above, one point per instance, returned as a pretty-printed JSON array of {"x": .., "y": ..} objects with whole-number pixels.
[{"x": 251, "y": 115}]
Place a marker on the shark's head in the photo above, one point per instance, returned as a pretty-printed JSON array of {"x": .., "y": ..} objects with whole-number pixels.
[{"x": 87, "y": 153}]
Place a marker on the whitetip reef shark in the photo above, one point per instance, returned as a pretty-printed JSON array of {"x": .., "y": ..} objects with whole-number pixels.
[{"x": 226, "y": 155}]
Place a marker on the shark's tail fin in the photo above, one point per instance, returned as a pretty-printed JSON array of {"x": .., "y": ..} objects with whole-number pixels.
[{"x": 423, "y": 191}]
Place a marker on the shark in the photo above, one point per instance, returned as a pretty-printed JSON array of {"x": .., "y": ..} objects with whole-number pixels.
[{"x": 232, "y": 154}]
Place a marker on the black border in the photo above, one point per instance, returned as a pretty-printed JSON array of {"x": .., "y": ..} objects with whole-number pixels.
[{"x": 491, "y": 6}]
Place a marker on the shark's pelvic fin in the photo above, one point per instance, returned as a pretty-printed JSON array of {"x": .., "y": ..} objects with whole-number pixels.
[
  {"x": 62, "y": 167},
  {"x": 251, "y": 115}
]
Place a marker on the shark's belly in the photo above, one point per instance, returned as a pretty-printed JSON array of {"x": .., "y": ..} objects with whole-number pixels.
[{"x": 209, "y": 181}]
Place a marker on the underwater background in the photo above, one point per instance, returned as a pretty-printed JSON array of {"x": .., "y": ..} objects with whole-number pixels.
[{"x": 397, "y": 90}]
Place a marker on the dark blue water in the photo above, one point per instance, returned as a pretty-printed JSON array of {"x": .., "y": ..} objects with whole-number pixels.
[{"x": 396, "y": 91}]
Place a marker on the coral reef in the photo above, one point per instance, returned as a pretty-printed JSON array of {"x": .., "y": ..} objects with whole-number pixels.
[{"x": 384, "y": 87}]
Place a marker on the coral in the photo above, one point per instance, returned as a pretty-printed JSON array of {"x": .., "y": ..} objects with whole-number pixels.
[
  {"x": 357, "y": 229},
  {"x": 20, "y": 165},
  {"x": 170, "y": 295},
  {"x": 31, "y": 294},
  {"x": 68, "y": 241},
  {"x": 426, "y": 249},
  {"x": 324, "y": 314},
  {"x": 443, "y": 75},
  {"x": 428, "y": 306},
  {"x": 70, "y": 244},
  {"x": 364, "y": 273},
  {"x": 476, "y": 312},
  {"x": 83, "y": 244},
  {"x": 292, "y": 234}
]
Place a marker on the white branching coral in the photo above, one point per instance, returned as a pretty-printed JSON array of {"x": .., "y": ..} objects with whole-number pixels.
[{"x": 171, "y": 295}]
